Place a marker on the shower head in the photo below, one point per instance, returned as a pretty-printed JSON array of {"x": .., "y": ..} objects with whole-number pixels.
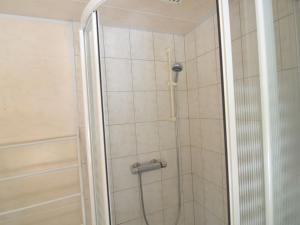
[{"x": 177, "y": 67}]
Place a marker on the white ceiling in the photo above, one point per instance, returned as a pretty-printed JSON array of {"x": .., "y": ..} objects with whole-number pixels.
[{"x": 155, "y": 15}]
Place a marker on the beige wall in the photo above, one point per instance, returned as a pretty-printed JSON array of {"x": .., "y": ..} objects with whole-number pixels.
[{"x": 38, "y": 120}]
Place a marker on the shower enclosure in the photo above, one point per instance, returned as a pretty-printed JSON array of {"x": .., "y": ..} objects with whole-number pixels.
[{"x": 162, "y": 84}]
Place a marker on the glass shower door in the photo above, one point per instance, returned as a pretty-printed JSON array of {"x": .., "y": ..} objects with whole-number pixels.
[
  {"x": 96, "y": 154},
  {"x": 261, "y": 82}
]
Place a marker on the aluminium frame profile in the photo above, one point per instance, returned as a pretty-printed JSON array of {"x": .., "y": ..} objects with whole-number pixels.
[
  {"x": 93, "y": 18},
  {"x": 229, "y": 104}
]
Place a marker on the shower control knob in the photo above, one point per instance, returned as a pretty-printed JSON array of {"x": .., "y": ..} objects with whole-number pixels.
[{"x": 163, "y": 164}]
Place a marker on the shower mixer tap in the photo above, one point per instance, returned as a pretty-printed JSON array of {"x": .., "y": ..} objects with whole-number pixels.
[{"x": 153, "y": 164}]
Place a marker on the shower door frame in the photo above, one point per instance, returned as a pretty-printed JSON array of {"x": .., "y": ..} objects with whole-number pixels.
[
  {"x": 227, "y": 79},
  {"x": 93, "y": 18},
  {"x": 269, "y": 102}
]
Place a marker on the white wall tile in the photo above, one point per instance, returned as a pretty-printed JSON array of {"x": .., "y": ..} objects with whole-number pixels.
[
  {"x": 186, "y": 160},
  {"x": 214, "y": 199},
  {"x": 143, "y": 73},
  {"x": 167, "y": 135},
  {"x": 171, "y": 170},
  {"x": 209, "y": 102},
  {"x": 195, "y": 132},
  {"x": 187, "y": 183},
  {"x": 141, "y": 45},
  {"x": 184, "y": 132},
  {"x": 199, "y": 215},
  {"x": 205, "y": 36},
  {"x": 207, "y": 69},
  {"x": 190, "y": 46},
  {"x": 197, "y": 165},
  {"x": 162, "y": 71},
  {"x": 147, "y": 137},
  {"x": 118, "y": 74},
  {"x": 116, "y": 42},
  {"x": 211, "y": 134},
  {"x": 122, "y": 140},
  {"x": 210, "y": 218},
  {"x": 198, "y": 188},
  {"x": 170, "y": 216},
  {"x": 120, "y": 107},
  {"x": 192, "y": 73},
  {"x": 179, "y": 48},
  {"x": 145, "y": 105},
  {"x": 212, "y": 167},
  {"x": 170, "y": 197},
  {"x": 164, "y": 105},
  {"x": 161, "y": 43},
  {"x": 156, "y": 218},
  {"x": 122, "y": 177},
  {"x": 182, "y": 104},
  {"x": 189, "y": 213},
  {"x": 122, "y": 211},
  {"x": 153, "y": 197},
  {"x": 193, "y": 102}
]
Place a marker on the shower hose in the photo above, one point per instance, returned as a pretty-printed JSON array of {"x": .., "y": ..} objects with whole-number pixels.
[{"x": 177, "y": 131}]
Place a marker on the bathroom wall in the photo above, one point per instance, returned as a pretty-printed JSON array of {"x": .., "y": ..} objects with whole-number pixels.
[
  {"x": 137, "y": 109},
  {"x": 206, "y": 123},
  {"x": 39, "y": 167}
]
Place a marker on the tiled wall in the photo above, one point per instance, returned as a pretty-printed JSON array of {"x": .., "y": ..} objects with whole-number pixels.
[
  {"x": 206, "y": 123},
  {"x": 138, "y": 128},
  {"x": 39, "y": 176}
]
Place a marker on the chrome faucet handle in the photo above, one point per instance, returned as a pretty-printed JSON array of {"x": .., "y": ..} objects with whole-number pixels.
[{"x": 163, "y": 164}]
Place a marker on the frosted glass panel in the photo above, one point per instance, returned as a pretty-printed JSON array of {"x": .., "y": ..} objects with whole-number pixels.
[
  {"x": 284, "y": 154},
  {"x": 285, "y": 162},
  {"x": 248, "y": 113}
]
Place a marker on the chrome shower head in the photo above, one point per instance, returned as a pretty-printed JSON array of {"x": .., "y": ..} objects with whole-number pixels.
[{"x": 177, "y": 68}]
